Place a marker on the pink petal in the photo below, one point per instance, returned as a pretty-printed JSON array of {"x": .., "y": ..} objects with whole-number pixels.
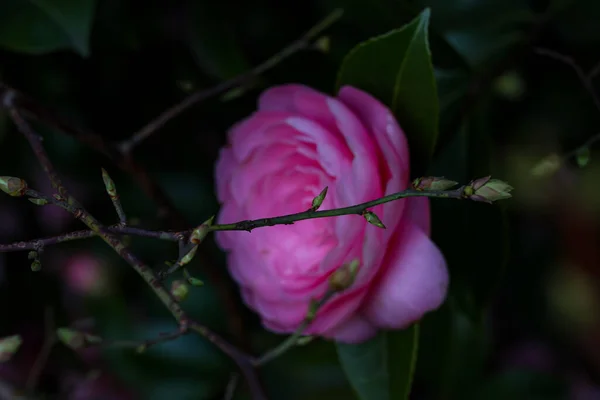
[
  {"x": 258, "y": 131},
  {"x": 415, "y": 281},
  {"x": 331, "y": 151},
  {"x": 299, "y": 100},
  {"x": 378, "y": 119},
  {"x": 391, "y": 142},
  {"x": 417, "y": 210},
  {"x": 363, "y": 182},
  {"x": 224, "y": 169}
]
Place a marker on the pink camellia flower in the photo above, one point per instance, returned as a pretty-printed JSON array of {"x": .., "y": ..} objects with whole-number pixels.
[{"x": 277, "y": 161}]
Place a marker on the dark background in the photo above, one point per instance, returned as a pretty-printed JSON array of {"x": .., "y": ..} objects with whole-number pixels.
[{"x": 521, "y": 319}]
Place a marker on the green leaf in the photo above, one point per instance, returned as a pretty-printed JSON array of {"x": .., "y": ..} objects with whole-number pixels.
[
  {"x": 396, "y": 68},
  {"x": 383, "y": 367},
  {"x": 43, "y": 26}
]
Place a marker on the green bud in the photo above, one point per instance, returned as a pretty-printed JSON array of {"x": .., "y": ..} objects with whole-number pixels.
[
  {"x": 478, "y": 183},
  {"x": 510, "y": 85},
  {"x": 433, "y": 183},
  {"x": 189, "y": 256},
  {"x": 200, "y": 232},
  {"x": 32, "y": 255},
  {"x": 179, "y": 290},
  {"x": 36, "y": 265},
  {"x": 547, "y": 166},
  {"x": 491, "y": 190},
  {"x": 373, "y": 219},
  {"x": 109, "y": 184},
  {"x": 191, "y": 280},
  {"x": 39, "y": 202},
  {"x": 583, "y": 157},
  {"x": 141, "y": 349},
  {"x": 344, "y": 276},
  {"x": 317, "y": 201},
  {"x": 9, "y": 346},
  {"x": 12, "y": 186},
  {"x": 323, "y": 44},
  {"x": 75, "y": 339},
  {"x": 304, "y": 340}
]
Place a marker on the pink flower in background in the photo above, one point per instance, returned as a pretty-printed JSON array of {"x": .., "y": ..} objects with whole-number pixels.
[
  {"x": 277, "y": 161},
  {"x": 86, "y": 274}
]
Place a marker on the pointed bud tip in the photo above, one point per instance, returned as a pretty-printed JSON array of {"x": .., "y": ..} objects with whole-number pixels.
[
  {"x": 433, "y": 183},
  {"x": 318, "y": 200},
  {"x": 189, "y": 256},
  {"x": 373, "y": 219},
  {"x": 179, "y": 290},
  {"x": 488, "y": 190},
  {"x": 12, "y": 186},
  {"x": 344, "y": 276},
  {"x": 9, "y": 346},
  {"x": 71, "y": 338}
]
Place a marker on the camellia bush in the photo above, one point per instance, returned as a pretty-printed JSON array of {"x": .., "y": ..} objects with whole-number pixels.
[{"x": 397, "y": 201}]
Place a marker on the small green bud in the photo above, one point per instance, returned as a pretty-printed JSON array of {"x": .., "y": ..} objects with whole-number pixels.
[
  {"x": 12, "y": 186},
  {"x": 191, "y": 280},
  {"x": 489, "y": 190},
  {"x": 583, "y": 157},
  {"x": 478, "y": 183},
  {"x": 344, "y": 276},
  {"x": 109, "y": 184},
  {"x": 317, "y": 201},
  {"x": 510, "y": 85},
  {"x": 189, "y": 256},
  {"x": 200, "y": 232},
  {"x": 9, "y": 346},
  {"x": 373, "y": 219},
  {"x": 547, "y": 166},
  {"x": 323, "y": 44},
  {"x": 433, "y": 183},
  {"x": 75, "y": 339},
  {"x": 141, "y": 349},
  {"x": 179, "y": 290},
  {"x": 32, "y": 255},
  {"x": 36, "y": 265},
  {"x": 39, "y": 202},
  {"x": 304, "y": 340}
]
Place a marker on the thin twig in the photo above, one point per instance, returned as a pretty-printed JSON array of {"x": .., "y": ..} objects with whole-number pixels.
[
  {"x": 356, "y": 209},
  {"x": 145, "y": 344},
  {"x": 171, "y": 236},
  {"x": 11, "y": 98},
  {"x": 231, "y": 386},
  {"x": 42, "y": 358},
  {"x": 65, "y": 201},
  {"x": 292, "y": 340},
  {"x": 583, "y": 77},
  {"x": 128, "y": 145}
]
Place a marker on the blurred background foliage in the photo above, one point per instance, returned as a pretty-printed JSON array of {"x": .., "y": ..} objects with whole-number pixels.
[{"x": 521, "y": 320}]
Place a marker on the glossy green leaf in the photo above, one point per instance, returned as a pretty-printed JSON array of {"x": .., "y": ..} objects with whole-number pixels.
[
  {"x": 383, "y": 367},
  {"x": 43, "y": 26},
  {"x": 396, "y": 68}
]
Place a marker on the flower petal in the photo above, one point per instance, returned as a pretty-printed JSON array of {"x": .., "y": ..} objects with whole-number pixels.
[
  {"x": 415, "y": 281},
  {"x": 391, "y": 143},
  {"x": 417, "y": 210}
]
